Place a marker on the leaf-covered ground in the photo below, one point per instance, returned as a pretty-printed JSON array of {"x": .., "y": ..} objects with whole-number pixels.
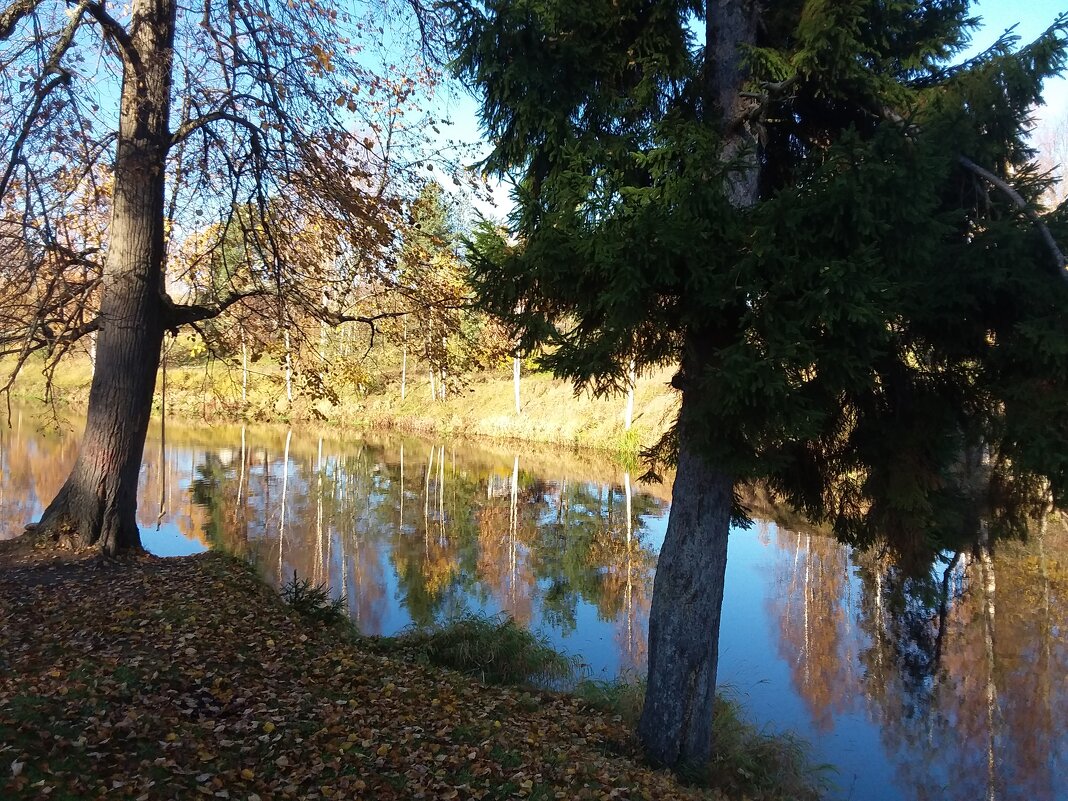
[{"x": 187, "y": 678}]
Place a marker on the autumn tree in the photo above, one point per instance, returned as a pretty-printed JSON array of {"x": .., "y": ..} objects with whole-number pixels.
[
  {"x": 196, "y": 113},
  {"x": 828, "y": 223},
  {"x": 1051, "y": 139}
]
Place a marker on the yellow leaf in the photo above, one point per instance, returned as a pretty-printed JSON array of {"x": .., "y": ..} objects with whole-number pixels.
[
  {"x": 247, "y": 774},
  {"x": 268, "y": 727}
]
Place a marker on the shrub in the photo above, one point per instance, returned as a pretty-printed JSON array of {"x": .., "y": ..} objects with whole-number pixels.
[
  {"x": 494, "y": 648},
  {"x": 313, "y": 601}
]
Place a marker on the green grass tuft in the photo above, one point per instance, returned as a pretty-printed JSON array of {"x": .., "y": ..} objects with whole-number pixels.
[
  {"x": 746, "y": 761},
  {"x": 496, "y": 649}
]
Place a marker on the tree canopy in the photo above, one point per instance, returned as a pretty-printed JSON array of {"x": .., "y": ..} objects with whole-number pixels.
[
  {"x": 290, "y": 122},
  {"x": 830, "y": 223},
  {"x": 883, "y": 307}
]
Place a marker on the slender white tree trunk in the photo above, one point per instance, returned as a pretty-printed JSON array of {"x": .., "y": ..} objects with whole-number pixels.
[
  {"x": 91, "y": 348},
  {"x": 443, "y": 373},
  {"x": 289, "y": 368},
  {"x": 244, "y": 371},
  {"x": 628, "y": 415},
  {"x": 515, "y": 383},
  {"x": 404, "y": 364}
]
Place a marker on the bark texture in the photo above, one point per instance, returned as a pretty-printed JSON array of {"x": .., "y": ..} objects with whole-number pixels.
[
  {"x": 676, "y": 722},
  {"x": 98, "y": 503},
  {"x": 684, "y": 619}
]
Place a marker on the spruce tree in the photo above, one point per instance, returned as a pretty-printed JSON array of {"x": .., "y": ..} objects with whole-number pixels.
[{"x": 831, "y": 225}]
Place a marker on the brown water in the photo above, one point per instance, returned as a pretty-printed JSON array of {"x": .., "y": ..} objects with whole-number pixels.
[{"x": 954, "y": 686}]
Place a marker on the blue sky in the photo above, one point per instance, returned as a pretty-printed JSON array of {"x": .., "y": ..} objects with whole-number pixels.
[{"x": 1031, "y": 19}]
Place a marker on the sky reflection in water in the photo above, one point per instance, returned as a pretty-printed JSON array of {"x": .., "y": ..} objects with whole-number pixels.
[{"x": 950, "y": 687}]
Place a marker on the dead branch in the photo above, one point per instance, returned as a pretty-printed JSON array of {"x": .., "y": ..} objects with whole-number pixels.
[{"x": 1021, "y": 203}]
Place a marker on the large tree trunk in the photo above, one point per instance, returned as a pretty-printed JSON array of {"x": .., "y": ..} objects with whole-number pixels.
[
  {"x": 676, "y": 722},
  {"x": 98, "y": 503}
]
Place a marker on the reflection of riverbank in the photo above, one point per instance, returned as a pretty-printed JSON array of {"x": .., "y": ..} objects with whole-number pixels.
[{"x": 907, "y": 683}]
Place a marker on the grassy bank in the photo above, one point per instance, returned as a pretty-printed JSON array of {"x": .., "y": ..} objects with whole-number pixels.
[
  {"x": 150, "y": 678},
  {"x": 187, "y": 677},
  {"x": 482, "y": 406}
]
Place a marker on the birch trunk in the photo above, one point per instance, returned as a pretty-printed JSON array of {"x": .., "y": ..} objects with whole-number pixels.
[
  {"x": 515, "y": 383},
  {"x": 404, "y": 359},
  {"x": 628, "y": 415},
  {"x": 244, "y": 371},
  {"x": 289, "y": 367}
]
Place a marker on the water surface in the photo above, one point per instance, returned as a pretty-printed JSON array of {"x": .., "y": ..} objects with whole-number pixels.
[{"x": 948, "y": 687}]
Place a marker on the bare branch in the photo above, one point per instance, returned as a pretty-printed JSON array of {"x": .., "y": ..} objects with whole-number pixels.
[
  {"x": 44, "y": 89},
  {"x": 1021, "y": 203},
  {"x": 189, "y": 127},
  {"x": 114, "y": 30},
  {"x": 13, "y": 14},
  {"x": 176, "y": 314}
]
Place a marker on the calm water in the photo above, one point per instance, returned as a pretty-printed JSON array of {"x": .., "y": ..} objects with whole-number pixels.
[{"x": 954, "y": 687}]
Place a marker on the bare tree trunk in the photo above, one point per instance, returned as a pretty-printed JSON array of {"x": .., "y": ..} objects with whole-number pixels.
[
  {"x": 98, "y": 503},
  {"x": 628, "y": 416},
  {"x": 443, "y": 373},
  {"x": 515, "y": 383},
  {"x": 676, "y": 722},
  {"x": 91, "y": 350},
  {"x": 404, "y": 359},
  {"x": 289, "y": 367},
  {"x": 244, "y": 371}
]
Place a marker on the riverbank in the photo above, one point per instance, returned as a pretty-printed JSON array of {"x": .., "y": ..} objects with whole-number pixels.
[
  {"x": 482, "y": 406},
  {"x": 180, "y": 678}
]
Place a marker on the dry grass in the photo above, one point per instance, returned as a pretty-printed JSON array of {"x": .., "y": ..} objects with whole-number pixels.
[{"x": 484, "y": 407}]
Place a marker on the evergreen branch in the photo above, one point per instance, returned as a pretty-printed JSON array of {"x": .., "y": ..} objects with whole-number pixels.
[
  {"x": 1006, "y": 188},
  {"x": 1021, "y": 203}
]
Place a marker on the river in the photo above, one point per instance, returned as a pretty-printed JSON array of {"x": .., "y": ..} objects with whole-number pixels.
[{"x": 949, "y": 686}]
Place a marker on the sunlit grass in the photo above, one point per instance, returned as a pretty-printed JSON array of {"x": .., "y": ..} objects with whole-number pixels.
[{"x": 494, "y": 649}]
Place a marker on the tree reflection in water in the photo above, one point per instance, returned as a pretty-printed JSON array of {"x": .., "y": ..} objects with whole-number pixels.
[
  {"x": 962, "y": 667},
  {"x": 960, "y": 670}
]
